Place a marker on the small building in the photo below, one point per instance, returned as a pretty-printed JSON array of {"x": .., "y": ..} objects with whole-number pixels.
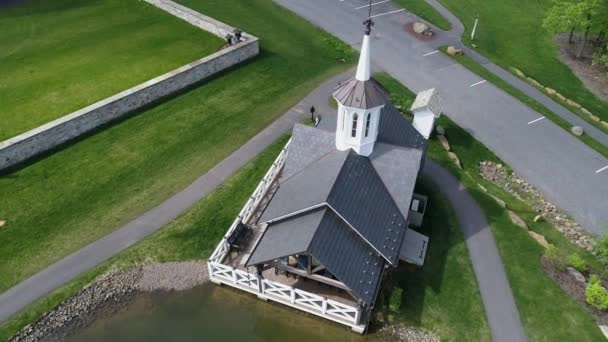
[{"x": 337, "y": 208}]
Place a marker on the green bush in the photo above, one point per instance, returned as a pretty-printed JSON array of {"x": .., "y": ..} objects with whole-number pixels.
[
  {"x": 601, "y": 249},
  {"x": 576, "y": 260},
  {"x": 554, "y": 257},
  {"x": 597, "y": 296},
  {"x": 594, "y": 279}
]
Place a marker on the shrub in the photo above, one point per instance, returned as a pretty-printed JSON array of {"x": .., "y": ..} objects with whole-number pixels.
[
  {"x": 554, "y": 258},
  {"x": 576, "y": 260},
  {"x": 601, "y": 249},
  {"x": 597, "y": 296},
  {"x": 594, "y": 279}
]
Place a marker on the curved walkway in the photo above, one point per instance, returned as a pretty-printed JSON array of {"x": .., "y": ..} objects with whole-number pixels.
[{"x": 501, "y": 312}]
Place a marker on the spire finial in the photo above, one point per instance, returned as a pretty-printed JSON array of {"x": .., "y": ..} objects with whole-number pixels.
[{"x": 368, "y": 22}]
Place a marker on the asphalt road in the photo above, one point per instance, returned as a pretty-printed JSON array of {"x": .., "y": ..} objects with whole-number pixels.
[{"x": 564, "y": 169}]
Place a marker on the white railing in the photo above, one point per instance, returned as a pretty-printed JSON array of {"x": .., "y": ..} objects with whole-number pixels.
[
  {"x": 250, "y": 207},
  {"x": 306, "y": 301}
]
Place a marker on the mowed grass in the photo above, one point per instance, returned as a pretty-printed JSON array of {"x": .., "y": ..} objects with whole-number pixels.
[
  {"x": 427, "y": 12},
  {"x": 443, "y": 295},
  {"x": 510, "y": 32},
  {"x": 59, "y": 56},
  {"x": 77, "y": 195},
  {"x": 547, "y": 312},
  {"x": 192, "y": 236}
]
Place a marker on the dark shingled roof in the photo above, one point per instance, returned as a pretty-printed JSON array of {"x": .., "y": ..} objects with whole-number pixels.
[
  {"x": 361, "y": 94},
  {"x": 324, "y": 235},
  {"x": 361, "y": 198},
  {"x": 394, "y": 129},
  {"x": 350, "y": 185}
]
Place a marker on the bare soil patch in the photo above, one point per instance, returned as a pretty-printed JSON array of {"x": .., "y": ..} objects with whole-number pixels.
[{"x": 594, "y": 77}]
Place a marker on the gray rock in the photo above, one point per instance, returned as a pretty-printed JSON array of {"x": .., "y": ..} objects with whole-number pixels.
[
  {"x": 577, "y": 130},
  {"x": 420, "y": 28},
  {"x": 440, "y": 130},
  {"x": 576, "y": 274}
]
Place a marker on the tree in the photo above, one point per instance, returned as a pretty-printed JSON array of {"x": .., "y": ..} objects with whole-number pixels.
[
  {"x": 563, "y": 16},
  {"x": 576, "y": 15}
]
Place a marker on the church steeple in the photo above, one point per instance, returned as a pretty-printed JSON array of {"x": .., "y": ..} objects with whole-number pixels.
[
  {"x": 360, "y": 102},
  {"x": 364, "y": 67}
]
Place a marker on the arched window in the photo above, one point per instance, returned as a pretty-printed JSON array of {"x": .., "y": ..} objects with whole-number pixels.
[
  {"x": 353, "y": 132},
  {"x": 369, "y": 119}
]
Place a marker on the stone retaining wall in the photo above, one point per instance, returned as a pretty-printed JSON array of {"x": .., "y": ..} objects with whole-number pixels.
[{"x": 48, "y": 136}]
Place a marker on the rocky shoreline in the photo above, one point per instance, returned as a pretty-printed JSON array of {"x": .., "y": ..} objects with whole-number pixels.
[
  {"x": 112, "y": 290},
  {"x": 398, "y": 332}
]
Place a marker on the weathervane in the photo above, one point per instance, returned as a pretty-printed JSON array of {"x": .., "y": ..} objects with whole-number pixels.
[{"x": 368, "y": 22}]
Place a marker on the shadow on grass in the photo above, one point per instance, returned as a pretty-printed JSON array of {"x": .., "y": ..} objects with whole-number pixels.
[{"x": 404, "y": 289}]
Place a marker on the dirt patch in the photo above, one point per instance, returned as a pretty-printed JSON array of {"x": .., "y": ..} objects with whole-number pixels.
[
  {"x": 409, "y": 28},
  {"x": 575, "y": 289},
  {"x": 594, "y": 77}
]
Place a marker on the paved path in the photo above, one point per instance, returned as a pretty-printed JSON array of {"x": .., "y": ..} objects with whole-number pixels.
[
  {"x": 501, "y": 312},
  {"x": 86, "y": 258},
  {"x": 555, "y": 162}
]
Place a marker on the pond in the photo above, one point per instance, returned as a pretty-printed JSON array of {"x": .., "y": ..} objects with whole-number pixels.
[{"x": 211, "y": 313}]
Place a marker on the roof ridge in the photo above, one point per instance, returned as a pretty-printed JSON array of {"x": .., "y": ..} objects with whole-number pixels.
[{"x": 309, "y": 165}]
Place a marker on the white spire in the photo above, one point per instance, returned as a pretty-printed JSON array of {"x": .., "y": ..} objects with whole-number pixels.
[{"x": 364, "y": 68}]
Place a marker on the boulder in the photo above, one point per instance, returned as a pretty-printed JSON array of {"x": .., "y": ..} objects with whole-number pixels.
[
  {"x": 440, "y": 130},
  {"x": 455, "y": 159},
  {"x": 499, "y": 201},
  {"x": 483, "y": 188},
  {"x": 534, "y": 82},
  {"x": 2, "y": 223},
  {"x": 595, "y": 118},
  {"x": 560, "y": 96},
  {"x": 572, "y": 103},
  {"x": 538, "y": 218},
  {"x": 539, "y": 238},
  {"x": 518, "y": 221},
  {"x": 576, "y": 274},
  {"x": 577, "y": 130},
  {"x": 550, "y": 91},
  {"x": 518, "y": 72},
  {"x": 604, "y": 123},
  {"x": 420, "y": 28},
  {"x": 444, "y": 142},
  {"x": 586, "y": 111},
  {"x": 453, "y": 51}
]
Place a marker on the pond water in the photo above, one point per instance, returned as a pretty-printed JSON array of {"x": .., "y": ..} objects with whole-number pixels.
[{"x": 211, "y": 313}]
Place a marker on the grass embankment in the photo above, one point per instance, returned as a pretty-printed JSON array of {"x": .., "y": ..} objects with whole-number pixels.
[
  {"x": 81, "y": 193},
  {"x": 547, "y": 312},
  {"x": 510, "y": 32},
  {"x": 59, "y": 56},
  {"x": 443, "y": 295},
  {"x": 427, "y": 12},
  {"x": 192, "y": 236},
  {"x": 475, "y": 67}
]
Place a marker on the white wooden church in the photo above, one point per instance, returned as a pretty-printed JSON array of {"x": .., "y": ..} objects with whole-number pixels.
[{"x": 337, "y": 210}]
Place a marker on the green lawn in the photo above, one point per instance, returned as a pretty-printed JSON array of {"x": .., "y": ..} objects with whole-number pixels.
[
  {"x": 547, "y": 312},
  {"x": 59, "y": 56},
  {"x": 193, "y": 235},
  {"x": 510, "y": 33},
  {"x": 475, "y": 67},
  {"x": 442, "y": 296},
  {"x": 425, "y": 11},
  {"x": 79, "y": 194}
]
